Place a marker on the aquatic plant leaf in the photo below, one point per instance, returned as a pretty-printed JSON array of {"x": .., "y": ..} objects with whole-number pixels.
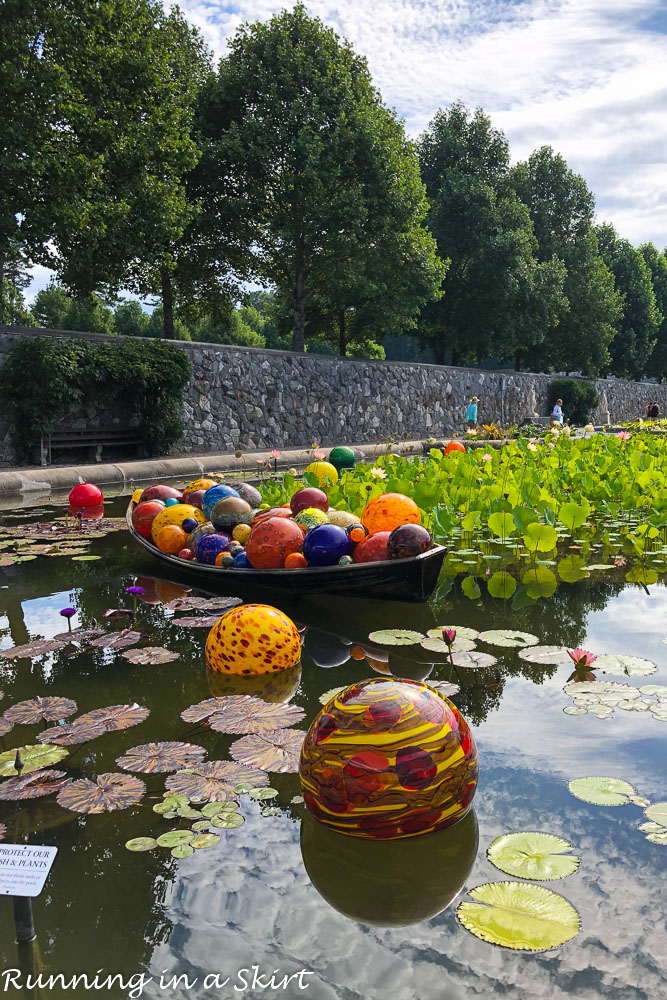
[
  {"x": 639, "y": 800},
  {"x": 31, "y": 650},
  {"x": 162, "y": 808},
  {"x": 214, "y": 781},
  {"x": 5, "y": 727},
  {"x": 545, "y": 654},
  {"x": 602, "y": 791},
  {"x": 34, "y": 757},
  {"x": 187, "y": 812},
  {"x": 38, "y": 709},
  {"x": 117, "y": 614},
  {"x": 396, "y": 637},
  {"x": 440, "y": 646},
  {"x": 540, "y": 537},
  {"x": 575, "y": 710},
  {"x": 71, "y": 734},
  {"x": 462, "y": 631},
  {"x": 572, "y": 515},
  {"x": 501, "y": 585},
  {"x": 657, "y": 838},
  {"x": 501, "y": 524},
  {"x": 538, "y": 581},
  {"x": 470, "y": 588},
  {"x": 151, "y": 758},
  {"x": 150, "y": 655},
  {"x": 643, "y": 575},
  {"x": 214, "y": 808},
  {"x": 228, "y": 821},
  {"x": 174, "y": 838},
  {"x": 473, "y": 660},
  {"x": 607, "y": 693},
  {"x": 630, "y": 666},
  {"x": 271, "y": 811},
  {"x": 80, "y": 634},
  {"x": 118, "y": 640},
  {"x": 115, "y": 717},
  {"x": 203, "y": 709},
  {"x": 633, "y": 706},
  {"x": 263, "y": 793},
  {"x": 275, "y": 751},
  {"x": 540, "y": 856},
  {"x": 657, "y": 689},
  {"x": 652, "y": 827},
  {"x": 139, "y": 844},
  {"x": 207, "y": 621},
  {"x": 201, "y": 825},
  {"x": 245, "y": 714},
  {"x": 182, "y": 851},
  {"x": 444, "y": 688},
  {"x": 32, "y": 786},
  {"x": 519, "y": 916},
  {"x": 205, "y": 840},
  {"x": 107, "y": 794},
  {"x": 331, "y": 693},
  {"x": 297, "y": 800},
  {"x": 657, "y": 813},
  {"x": 508, "y": 637},
  {"x": 203, "y": 603},
  {"x": 594, "y": 567},
  {"x": 85, "y": 558},
  {"x": 572, "y": 568}
]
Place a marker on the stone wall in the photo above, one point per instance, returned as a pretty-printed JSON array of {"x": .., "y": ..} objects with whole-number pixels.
[{"x": 253, "y": 399}]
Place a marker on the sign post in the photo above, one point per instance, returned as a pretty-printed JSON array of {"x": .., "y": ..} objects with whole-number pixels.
[{"x": 23, "y": 872}]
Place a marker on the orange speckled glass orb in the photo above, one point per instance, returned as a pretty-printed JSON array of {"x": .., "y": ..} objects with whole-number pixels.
[
  {"x": 171, "y": 539},
  {"x": 197, "y": 485},
  {"x": 389, "y": 510},
  {"x": 454, "y": 446},
  {"x": 295, "y": 560},
  {"x": 271, "y": 541},
  {"x": 388, "y": 759},
  {"x": 175, "y": 515},
  {"x": 278, "y": 686},
  {"x": 253, "y": 639}
]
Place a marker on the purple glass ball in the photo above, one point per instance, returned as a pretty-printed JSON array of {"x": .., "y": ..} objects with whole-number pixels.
[
  {"x": 209, "y": 547},
  {"x": 324, "y": 545}
]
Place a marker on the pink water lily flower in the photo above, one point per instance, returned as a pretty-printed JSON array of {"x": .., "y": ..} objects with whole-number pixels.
[
  {"x": 581, "y": 657},
  {"x": 275, "y": 453},
  {"x": 623, "y": 435},
  {"x": 486, "y": 457},
  {"x": 319, "y": 454},
  {"x": 449, "y": 635}
]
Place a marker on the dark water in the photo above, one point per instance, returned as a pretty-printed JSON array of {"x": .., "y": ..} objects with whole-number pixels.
[{"x": 249, "y": 901}]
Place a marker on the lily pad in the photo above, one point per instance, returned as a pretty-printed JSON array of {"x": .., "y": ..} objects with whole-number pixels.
[
  {"x": 30, "y": 650},
  {"x": 215, "y": 808},
  {"x": 85, "y": 558},
  {"x": 33, "y": 786},
  {"x": 660, "y": 690},
  {"x": 72, "y": 734},
  {"x": 80, "y": 634},
  {"x": 602, "y": 791},
  {"x": 630, "y": 666},
  {"x": 440, "y": 646},
  {"x": 202, "y": 710},
  {"x": 462, "y": 631},
  {"x": 657, "y": 813},
  {"x": 34, "y": 758},
  {"x": 540, "y": 856},
  {"x": 182, "y": 851},
  {"x": 227, "y": 821},
  {"x": 246, "y": 714},
  {"x": 151, "y": 758},
  {"x": 501, "y": 585},
  {"x": 205, "y": 840},
  {"x": 473, "y": 660},
  {"x": 140, "y": 844},
  {"x": 508, "y": 637},
  {"x": 150, "y": 655},
  {"x": 519, "y": 916},
  {"x": 115, "y": 717},
  {"x": 206, "y": 621},
  {"x": 38, "y": 709},
  {"x": 651, "y": 827},
  {"x": 263, "y": 793},
  {"x": 109, "y": 793},
  {"x": 278, "y": 750},
  {"x": 214, "y": 781},
  {"x": 201, "y": 825},
  {"x": 396, "y": 637},
  {"x": 331, "y": 693},
  {"x": 575, "y": 710},
  {"x": 444, "y": 688},
  {"x": 118, "y": 640},
  {"x": 5, "y": 727},
  {"x": 175, "y": 838},
  {"x": 545, "y": 655},
  {"x": 657, "y": 838}
]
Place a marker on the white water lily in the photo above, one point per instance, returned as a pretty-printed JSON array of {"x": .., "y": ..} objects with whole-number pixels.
[
  {"x": 589, "y": 428},
  {"x": 378, "y": 473},
  {"x": 531, "y": 446}
]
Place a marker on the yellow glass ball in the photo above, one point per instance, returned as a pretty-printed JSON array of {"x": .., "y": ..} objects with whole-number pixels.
[
  {"x": 199, "y": 484},
  {"x": 253, "y": 639},
  {"x": 241, "y": 532},
  {"x": 343, "y": 518},
  {"x": 175, "y": 514},
  {"x": 311, "y": 517},
  {"x": 136, "y": 496},
  {"x": 323, "y": 471}
]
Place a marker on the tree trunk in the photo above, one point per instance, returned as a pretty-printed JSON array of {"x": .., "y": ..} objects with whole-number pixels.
[
  {"x": 342, "y": 334},
  {"x": 443, "y": 349},
  {"x": 167, "y": 305},
  {"x": 2, "y": 288},
  {"x": 299, "y": 294}
]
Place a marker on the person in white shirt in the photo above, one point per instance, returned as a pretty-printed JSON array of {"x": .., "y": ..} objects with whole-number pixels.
[{"x": 557, "y": 412}]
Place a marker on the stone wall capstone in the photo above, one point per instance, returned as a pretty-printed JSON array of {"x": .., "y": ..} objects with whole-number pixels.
[{"x": 251, "y": 398}]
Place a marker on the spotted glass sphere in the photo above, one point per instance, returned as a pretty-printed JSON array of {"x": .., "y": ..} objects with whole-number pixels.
[
  {"x": 209, "y": 547},
  {"x": 212, "y": 495},
  {"x": 230, "y": 511},
  {"x": 197, "y": 486},
  {"x": 323, "y": 471},
  {"x": 388, "y": 759},
  {"x": 271, "y": 540},
  {"x": 240, "y": 533},
  {"x": 387, "y": 511},
  {"x": 175, "y": 515},
  {"x": 310, "y": 517},
  {"x": 162, "y": 493},
  {"x": 408, "y": 540},
  {"x": 197, "y": 533},
  {"x": 325, "y": 544},
  {"x": 144, "y": 514},
  {"x": 253, "y": 639},
  {"x": 343, "y": 518},
  {"x": 307, "y": 497},
  {"x": 248, "y": 493}
]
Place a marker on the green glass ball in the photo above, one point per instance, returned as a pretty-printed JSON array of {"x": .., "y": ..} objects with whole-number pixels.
[{"x": 342, "y": 458}]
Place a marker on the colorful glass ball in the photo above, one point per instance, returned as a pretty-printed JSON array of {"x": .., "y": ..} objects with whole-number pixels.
[
  {"x": 136, "y": 496},
  {"x": 230, "y": 511},
  {"x": 240, "y": 533},
  {"x": 310, "y": 517},
  {"x": 276, "y": 687},
  {"x": 408, "y": 540},
  {"x": 160, "y": 493},
  {"x": 324, "y": 545},
  {"x": 171, "y": 539},
  {"x": 85, "y": 495},
  {"x": 215, "y": 493},
  {"x": 186, "y": 554},
  {"x": 176, "y": 515},
  {"x": 253, "y": 639},
  {"x": 343, "y": 518},
  {"x": 241, "y": 561},
  {"x": 342, "y": 458},
  {"x": 454, "y": 446},
  {"x": 224, "y": 559},
  {"x": 309, "y": 496},
  {"x": 210, "y": 546},
  {"x": 195, "y": 498},
  {"x": 323, "y": 471},
  {"x": 296, "y": 560},
  {"x": 171, "y": 502},
  {"x": 387, "y": 511},
  {"x": 388, "y": 759},
  {"x": 143, "y": 516},
  {"x": 356, "y": 533},
  {"x": 249, "y": 493},
  {"x": 271, "y": 540},
  {"x": 189, "y": 524},
  {"x": 262, "y": 514},
  {"x": 373, "y": 548},
  {"x": 198, "y": 485},
  {"x": 197, "y": 533},
  {"x": 345, "y": 560}
]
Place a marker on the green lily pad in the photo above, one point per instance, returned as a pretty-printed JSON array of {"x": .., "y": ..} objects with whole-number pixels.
[
  {"x": 205, "y": 840},
  {"x": 575, "y": 710},
  {"x": 161, "y": 808},
  {"x": 657, "y": 812},
  {"x": 201, "y": 825},
  {"x": 141, "y": 844},
  {"x": 263, "y": 793},
  {"x": 34, "y": 757},
  {"x": 182, "y": 851},
  {"x": 519, "y": 916},
  {"x": 462, "y": 631},
  {"x": 228, "y": 821},
  {"x": 396, "y": 637},
  {"x": 508, "y": 637},
  {"x": 657, "y": 838},
  {"x": 174, "y": 838},
  {"x": 657, "y": 689},
  {"x": 594, "y": 567},
  {"x": 187, "y": 812},
  {"x": 602, "y": 791},
  {"x": 539, "y": 537},
  {"x": 545, "y": 655},
  {"x": 473, "y": 660},
  {"x": 297, "y": 800},
  {"x": 243, "y": 788},
  {"x": 440, "y": 646},
  {"x": 541, "y": 856},
  {"x": 539, "y": 581},
  {"x": 176, "y": 800},
  {"x": 651, "y": 827},
  {"x": 639, "y": 800},
  {"x": 271, "y": 811},
  {"x": 215, "y": 808},
  {"x": 85, "y": 558},
  {"x": 629, "y": 666}
]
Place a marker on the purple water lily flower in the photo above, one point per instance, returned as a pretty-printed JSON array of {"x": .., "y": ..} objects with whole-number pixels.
[
  {"x": 68, "y": 613},
  {"x": 134, "y": 590}
]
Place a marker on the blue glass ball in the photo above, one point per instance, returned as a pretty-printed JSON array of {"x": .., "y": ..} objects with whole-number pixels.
[
  {"x": 209, "y": 547},
  {"x": 324, "y": 545},
  {"x": 241, "y": 561},
  {"x": 171, "y": 502},
  {"x": 212, "y": 495},
  {"x": 189, "y": 524}
]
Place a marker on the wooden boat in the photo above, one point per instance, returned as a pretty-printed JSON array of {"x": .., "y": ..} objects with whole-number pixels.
[{"x": 412, "y": 579}]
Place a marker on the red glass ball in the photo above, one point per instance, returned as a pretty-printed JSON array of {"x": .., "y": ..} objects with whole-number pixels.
[
  {"x": 271, "y": 541},
  {"x": 161, "y": 493},
  {"x": 454, "y": 446},
  {"x": 373, "y": 548},
  {"x": 186, "y": 554},
  {"x": 143, "y": 516},
  {"x": 309, "y": 496},
  {"x": 85, "y": 495},
  {"x": 194, "y": 498}
]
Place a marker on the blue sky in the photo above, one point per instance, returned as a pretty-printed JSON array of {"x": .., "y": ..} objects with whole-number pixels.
[{"x": 584, "y": 76}]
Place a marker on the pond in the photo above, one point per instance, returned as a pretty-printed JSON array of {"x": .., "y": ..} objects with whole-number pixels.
[{"x": 270, "y": 898}]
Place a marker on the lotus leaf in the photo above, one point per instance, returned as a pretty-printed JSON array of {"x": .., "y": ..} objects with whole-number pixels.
[
  {"x": 541, "y": 856},
  {"x": 520, "y": 916}
]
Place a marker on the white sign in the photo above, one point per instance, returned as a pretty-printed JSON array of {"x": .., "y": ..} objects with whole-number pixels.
[{"x": 23, "y": 868}]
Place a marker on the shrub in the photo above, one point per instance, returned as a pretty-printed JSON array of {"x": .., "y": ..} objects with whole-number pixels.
[
  {"x": 42, "y": 378},
  {"x": 579, "y": 398}
]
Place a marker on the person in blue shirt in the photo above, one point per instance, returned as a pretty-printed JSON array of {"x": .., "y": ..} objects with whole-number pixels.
[
  {"x": 471, "y": 412},
  {"x": 557, "y": 412}
]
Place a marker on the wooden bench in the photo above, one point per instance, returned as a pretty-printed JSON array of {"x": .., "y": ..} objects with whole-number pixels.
[{"x": 89, "y": 437}]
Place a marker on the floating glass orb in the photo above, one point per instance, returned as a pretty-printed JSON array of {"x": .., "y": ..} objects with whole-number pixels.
[
  {"x": 253, "y": 639},
  {"x": 342, "y": 457},
  {"x": 387, "y": 511},
  {"x": 85, "y": 495},
  {"x": 324, "y": 471}
]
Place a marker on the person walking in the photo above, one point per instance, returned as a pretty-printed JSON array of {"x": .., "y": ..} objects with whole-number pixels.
[
  {"x": 653, "y": 410},
  {"x": 471, "y": 413},
  {"x": 557, "y": 412}
]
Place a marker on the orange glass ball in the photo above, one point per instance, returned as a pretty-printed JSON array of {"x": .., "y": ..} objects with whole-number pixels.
[
  {"x": 171, "y": 539},
  {"x": 253, "y": 639},
  {"x": 295, "y": 560},
  {"x": 262, "y": 515},
  {"x": 271, "y": 541},
  {"x": 373, "y": 548},
  {"x": 454, "y": 446},
  {"x": 389, "y": 510}
]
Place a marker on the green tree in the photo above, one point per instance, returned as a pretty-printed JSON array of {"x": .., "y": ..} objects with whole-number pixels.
[
  {"x": 498, "y": 298},
  {"x": 637, "y": 330},
  {"x": 561, "y": 209},
  {"x": 657, "y": 264},
  {"x": 130, "y": 319},
  {"x": 299, "y": 147},
  {"x": 55, "y": 309}
]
